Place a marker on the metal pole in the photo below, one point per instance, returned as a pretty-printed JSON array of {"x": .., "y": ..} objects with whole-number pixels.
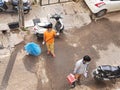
[
  {"x": 58, "y": 1},
  {"x": 40, "y": 2},
  {"x": 48, "y": 1},
  {"x": 21, "y": 14}
]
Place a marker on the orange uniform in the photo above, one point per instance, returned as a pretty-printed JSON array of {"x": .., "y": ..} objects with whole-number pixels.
[
  {"x": 49, "y": 36},
  {"x": 49, "y": 39}
]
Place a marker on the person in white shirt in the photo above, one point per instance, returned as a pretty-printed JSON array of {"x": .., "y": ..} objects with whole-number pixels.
[{"x": 81, "y": 67}]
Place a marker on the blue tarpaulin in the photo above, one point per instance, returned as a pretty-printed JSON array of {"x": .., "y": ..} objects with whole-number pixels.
[{"x": 33, "y": 49}]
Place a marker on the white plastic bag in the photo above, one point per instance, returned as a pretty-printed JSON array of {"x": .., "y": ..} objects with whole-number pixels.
[
  {"x": 43, "y": 42},
  {"x": 85, "y": 75},
  {"x": 57, "y": 33}
]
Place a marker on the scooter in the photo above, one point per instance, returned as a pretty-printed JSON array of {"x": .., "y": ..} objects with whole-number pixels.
[
  {"x": 59, "y": 24},
  {"x": 106, "y": 72},
  {"x": 26, "y": 5},
  {"x": 39, "y": 28},
  {"x": 3, "y": 6}
]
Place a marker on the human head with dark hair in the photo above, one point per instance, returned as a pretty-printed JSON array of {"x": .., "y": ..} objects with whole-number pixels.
[
  {"x": 86, "y": 58},
  {"x": 50, "y": 25}
]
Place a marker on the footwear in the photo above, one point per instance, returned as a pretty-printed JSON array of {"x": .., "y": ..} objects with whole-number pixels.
[{"x": 73, "y": 85}]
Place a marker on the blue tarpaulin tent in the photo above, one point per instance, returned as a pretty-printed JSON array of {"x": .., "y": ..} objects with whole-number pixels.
[{"x": 33, "y": 49}]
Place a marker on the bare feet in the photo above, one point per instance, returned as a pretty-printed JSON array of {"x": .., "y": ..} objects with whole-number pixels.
[
  {"x": 53, "y": 55},
  {"x": 48, "y": 52}
]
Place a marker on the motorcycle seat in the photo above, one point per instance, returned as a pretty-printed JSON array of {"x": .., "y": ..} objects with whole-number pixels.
[
  {"x": 108, "y": 68},
  {"x": 44, "y": 25}
]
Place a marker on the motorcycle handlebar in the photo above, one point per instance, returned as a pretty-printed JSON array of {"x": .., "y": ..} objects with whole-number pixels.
[{"x": 56, "y": 17}]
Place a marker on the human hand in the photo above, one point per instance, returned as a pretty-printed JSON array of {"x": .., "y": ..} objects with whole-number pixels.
[
  {"x": 43, "y": 42},
  {"x": 57, "y": 33},
  {"x": 85, "y": 75}
]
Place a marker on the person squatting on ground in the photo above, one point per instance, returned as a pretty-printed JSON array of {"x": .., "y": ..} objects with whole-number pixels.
[
  {"x": 49, "y": 38},
  {"x": 81, "y": 68}
]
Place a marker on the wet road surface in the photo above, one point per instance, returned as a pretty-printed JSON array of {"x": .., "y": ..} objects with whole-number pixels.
[
  {"x": 9, "y": 68},
  {"x": 76, "y": 43},
  {"x": 70, "y": 47}
]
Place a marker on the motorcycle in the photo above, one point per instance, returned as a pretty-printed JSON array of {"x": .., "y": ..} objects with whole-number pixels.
[
  {"x": 15, "y": 7},
  {"x": 106, "y": 72},
  {"x": 39, "y": 28},
  {"x": 59, "y": 24},
  {"x": 3, "y": 6}
]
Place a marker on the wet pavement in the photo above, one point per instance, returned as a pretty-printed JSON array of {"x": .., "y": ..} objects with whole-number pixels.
[
  {"x": 100, "y": 40},
  {"x": 74, "y": 44},
  {"x": 48, "y": 73},
  {"x": 7, "y": 74}
]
